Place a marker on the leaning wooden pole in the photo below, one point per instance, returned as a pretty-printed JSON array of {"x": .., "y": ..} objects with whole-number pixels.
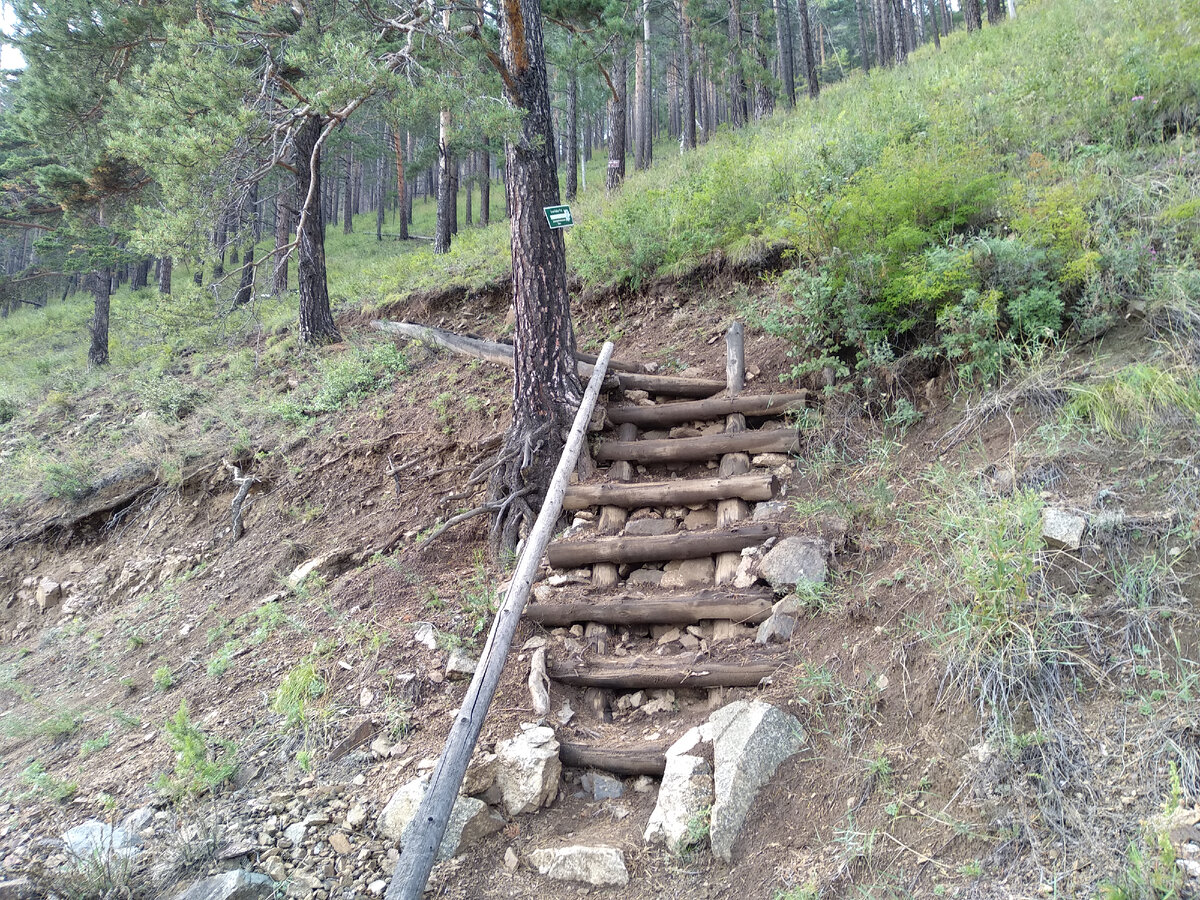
[{"x": 425, "y": 833}]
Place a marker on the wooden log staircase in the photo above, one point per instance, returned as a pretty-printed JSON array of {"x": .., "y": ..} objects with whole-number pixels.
[{"x": 649, "y": 632}]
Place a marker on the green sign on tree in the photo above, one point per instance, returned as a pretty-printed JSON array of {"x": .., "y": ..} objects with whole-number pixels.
[{"x": 558, "y": 216}]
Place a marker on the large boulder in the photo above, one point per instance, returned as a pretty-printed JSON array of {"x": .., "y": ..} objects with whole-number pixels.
[
  {"x": 528, "y": 770},
  {"x": 794, "y": 560},
  {"x": 597, "y": 866},
  {"x": 236, "y": 885},
  {"x": 98, "y": 839},
  {"x": 470, "y": 819},
  {"x": 750, "y": 741}
]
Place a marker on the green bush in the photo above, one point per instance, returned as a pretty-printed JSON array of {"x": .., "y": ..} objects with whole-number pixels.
[
  {"x": 8, "y": 410},
  {"x": 348, "y": 378},
  {"x": 202, "y": 764},
  {"x": 68, "y": 479}
]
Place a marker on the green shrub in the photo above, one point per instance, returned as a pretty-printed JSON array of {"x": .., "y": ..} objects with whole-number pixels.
[
  {"x": 69, "y": 479},
  {"x": 57, "y": 789},
  {"x": 163, "y": 679},
  {"x": 299, "y": 688},
  {"x": 8, "y": 410},
  {"x": 202, "y": 764},
  {"x": 349, "y": 377}
]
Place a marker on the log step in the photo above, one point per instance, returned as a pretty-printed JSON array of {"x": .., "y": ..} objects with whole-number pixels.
[
  {"x": 753, "y": 488},
  {"x": 650, "y": 417},
  {"x": 692, "y": 545},
  {"x": 649, "y": 760},
  {"x": 750, "y": 607},
  {"x": 638, "y": 673},
  {"x": 698, "y": 449}
]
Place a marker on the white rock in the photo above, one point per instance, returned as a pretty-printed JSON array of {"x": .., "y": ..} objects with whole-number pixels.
[
  {"x": 470, "y": 819},
  {"x": 460, "y": 664},
  {"x": 689, "y": 573},
  {"x": 684, "y": 797},
  {"x": 96, "y": 839},
  {"x": 425, "y": 635},
  {"x": 49, "y": 593},
  {"x": 597, "y": 866},
  {"x": 1062, "y": 530},
  {"x": 528, "y": 771},
  {"x": 236, "y": 885}
]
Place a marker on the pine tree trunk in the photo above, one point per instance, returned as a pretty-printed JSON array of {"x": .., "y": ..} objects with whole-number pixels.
[
  {"x": 382, "y": 198},
  {"x": 933, "y": 21},
  {"x": 141, "y": 273},
  {"x": 245, "y": 291},
  {"x": 616, "y": 115},
  {"x": 283, "y": 236},
  {"x": 485, "y": 186},
  {"x": 100, "y": 284},
  {"x": 348, "y": 195},
  {"x": 455, "y": 165},
  {"x": 572, "y": 134},
  {"x": 401, "y": 186},
  {"x": 737, "y": 83},
  {"x": 445, "y": 198},
  {"x": 640, "y": 135},
  {"x": 688, "y": 112},
  {"x": 164, "y": 276},
  {"x": 470, "y": 179},
  {"x": 546, "y": 389},
  {"x": 316, "y": 319},
  {"x": 972, "y": 14},
  {"x": 995, "y": 12},
  {"x": 764, "y": 98},
  {"x": 810, "y": 56},
  {"x": 862, "y": 36},
  {"x": 783, "y": 43}
]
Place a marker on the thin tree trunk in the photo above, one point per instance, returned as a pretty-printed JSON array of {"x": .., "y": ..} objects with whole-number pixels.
[
  {"x": 640, "y": 121},
  {"x": 245, "y": 291},
  {"x": 862, "y": 36},
  {"x": 283, "y": 235},
  {"x": 401, "y": 187},
  {"x": 972, "y": 14},
  {"x": 995, "y": 12},
  {"x": 689, "y": 87},
  {"x": 164, "y": 276},
  {"x": 381, "y": 182},
  {"x": 316, "y": 319},
  {"x": 764, "y": 98},
  {"x": 616, "y": 116},
  {"x": 810, "y": 57},
  {"x": 445, "y": 197},
  {"x": 737, "y": 83},
  {"x": 485, "y": 186},
  {"x": 348, "y": 195},
  {"x": 141, "y": 273},
  {"x": 100, "y": 284},
  {"x": 783, "y": 45},
  {"x": 572, "y": 133},
  {"x": 933, "y": 21}
]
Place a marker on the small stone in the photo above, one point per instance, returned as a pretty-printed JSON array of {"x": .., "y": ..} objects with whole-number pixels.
[
  {"x": 340, "y": 843},
  {"x": 794, "y": 560},
  {"x": 689, "y": 573},
  {"x": 460, "y": 664},
  {"x": 769, "y": 509},
  {"x": 699, "y": 519},
  {"x": 1062, "y": 530},
  {"x": 651, "y": 577},
  {"x": 669, "y": 636},
  {"x": 295, "y": 833},
  {"x": 597, "y": 866},
  {"x": 511, "y": 861},
  {"x": 356, "y": 816},
  {"x": 377, "y": 887},
  {"x": 236, "y": 885},
  {"x": 605, "y": 787},
  {"x": 650, "y": 527},
  {"x": 425, "y": 635},
  {"x": 769, "y": 461}
]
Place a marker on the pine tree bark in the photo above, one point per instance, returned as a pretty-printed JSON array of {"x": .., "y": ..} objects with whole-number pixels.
[
  {"x": 100, "y": 284},
  {"x": 546, "y": 388},
  {"x": 689, "y": 84},
  {"x": 444, "y": 227},
  {"x": 348, "y": 195},
  {"x": 572, "y": 185},
  {"x": 164, "y": 276},
  {"x": 316, "y": 318},
  {"x": 972, "y": 15},
  {"x": 764, "y": 97},
  {"x": 810, "y": 56},
  {"x": 485, "y": 185},
  {"x": 995, "y": 12},
  {"x": 863, "y": 49},
  {"x": 381, "y": 198},
  {"x": 639, "y": 98},
  {"x": 283, "y": 235},
  {"x": 783, "y": 44},
  {"x": 398, "y": 152},
  {"x": 245, "y": 291},
  {"x": 933, "y": 21},
  {"x": 616, "y": 115},
  {"x": 737, "y": 82},
  {"x": 141, "y": 273}
]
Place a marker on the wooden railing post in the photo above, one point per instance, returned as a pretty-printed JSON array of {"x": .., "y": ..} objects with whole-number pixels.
[{"x": 429, "y": 825}]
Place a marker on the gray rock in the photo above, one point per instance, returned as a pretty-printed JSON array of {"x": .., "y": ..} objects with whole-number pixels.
[
  {"x": 652, "y": 577},
  {"x": 97, "y": 839},
  {"x": 295, "y": 833},
  {"x": 1062, "y": 530},
  {"x": 689, "y": 573},
  {"x": 460, "y": 664},
  {"x": 769, "y": 509},
  {"x": 794, "y": 560},
  {"x": 685, "y": 795},
  {"x": 597, "y": 866},
  {"x": 236, "y": 885},
  {"x": 650, "y": 527},
  {"x": 776, "y": 629},
  {"x": 750, "y": 741},
  {"x": 481, "y": 774},
  {"x": 528, "y": 771},
  {"x": 769, "y": 460},
  {"x": 49, "y": 593},
  {"x": 17, "y": 889},
  {"x": 138, "y": 820},
  {"x": 700, "y": 518},
  {"x": 470, "y": 819},
  {"x": 605, "y": 787}
]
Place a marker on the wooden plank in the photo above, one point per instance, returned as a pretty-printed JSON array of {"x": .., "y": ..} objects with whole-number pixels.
[
  {"x": 779, "y": 440},
  {"x": 572, "y": 554},
  {"x": 755, "y": 488},
  {"x": 667, "y": 385},
  {"x": 665, "y": 414},
  {"x": 429, "y": 824},
  {"x": 750, "y": 607},
  {"x": 638, "y": 673},
  {"x": 650, "y": 760}
]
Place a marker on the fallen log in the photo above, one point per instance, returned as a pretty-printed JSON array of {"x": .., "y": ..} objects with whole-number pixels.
[
  {"x": 755, "y": 488},
  {"x": 778, "y": 440},
  {"x": 634, "y": 761},
  {"x": 572, "y": 554},
  {"x": 749, "y": 607},
  {"x": 639, "y": 673},
  {"x": 651, "y": 417},
  {"x": 628, "y": 376}
]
